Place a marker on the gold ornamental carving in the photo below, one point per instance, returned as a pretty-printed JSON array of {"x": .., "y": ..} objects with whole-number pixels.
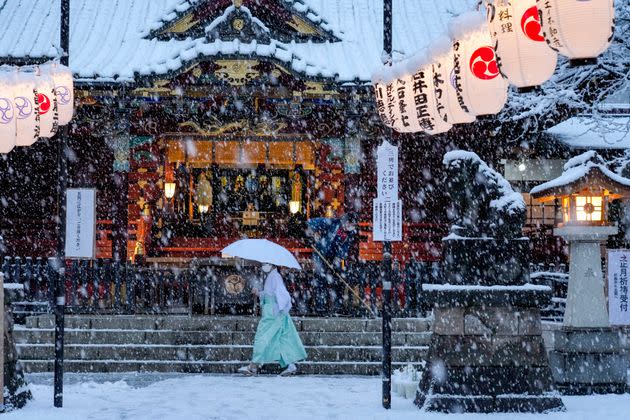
[
  {"x": 234, "y": 284},
  {"x": 182, "y": 25},
  {"x": 238, "y": 24},
  {"x": 237, "y": 72}
]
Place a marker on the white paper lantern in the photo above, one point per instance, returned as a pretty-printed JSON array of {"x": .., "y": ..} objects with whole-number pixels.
[
  {"x": 7, "y": 111},
  {"x": 578, "y": 29},
  {"x": 64, "y": 90},
  {"x": 443, "y": 70},
  {"x": 426, "y": 103},
  {"x": 47, "y": 101},
  {"x": 522, "y": 53},
  {"x": 26, "y": 107},
  {"x": 481, "y": 89},
  {"x": 382, "y": 103}
]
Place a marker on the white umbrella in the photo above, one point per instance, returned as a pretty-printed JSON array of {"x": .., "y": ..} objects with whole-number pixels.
[{"x": 263, "y": 251}]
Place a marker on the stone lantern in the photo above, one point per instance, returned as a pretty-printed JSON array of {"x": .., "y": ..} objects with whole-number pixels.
[{"x": 586, "y": 356}]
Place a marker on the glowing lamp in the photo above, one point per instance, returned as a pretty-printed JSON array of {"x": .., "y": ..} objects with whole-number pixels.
[
  {"x": 584, "y": 190},
  {"x": 294, "y": 206},
  {"x": 480, "y": 88},
  {"x": 522, "y": 53},
  {"x": 578, "y": 29},
  {"x": 203, "y": 209},
  {"x": 584, "y": 207},
  {"x": 169, "y": 190}
]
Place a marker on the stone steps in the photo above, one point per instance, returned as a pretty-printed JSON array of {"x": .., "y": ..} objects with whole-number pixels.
[
  {"x": 212, "y": 344},
  {"x": 221, "y": 367}
]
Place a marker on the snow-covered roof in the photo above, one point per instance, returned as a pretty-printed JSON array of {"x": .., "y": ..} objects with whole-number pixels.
[
  {"x": 108, "y": 40},
  {"x": 587, "y": 132},
  {"x": 587, "y": 170}
]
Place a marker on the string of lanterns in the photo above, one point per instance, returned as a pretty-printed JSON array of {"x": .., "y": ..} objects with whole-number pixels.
[
  {"x": 467, "y": 74},
  {"x": 34, "y": 102}
]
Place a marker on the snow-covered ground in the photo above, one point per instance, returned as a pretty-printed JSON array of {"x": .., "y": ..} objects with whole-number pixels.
[{"x": 163, "y": 397}]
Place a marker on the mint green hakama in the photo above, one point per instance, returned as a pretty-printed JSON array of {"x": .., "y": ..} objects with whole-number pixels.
[{"x": 276, "y": 338}]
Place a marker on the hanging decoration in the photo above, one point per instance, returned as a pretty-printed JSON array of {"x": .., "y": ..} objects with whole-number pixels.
[
  {"x": 27, "y": 107},
  {"x": 578, "y": 29},
  {"x": 444, "y": 79},
  {"x": 522, "y": 53},
  {"x": 38, "y": 99},
  {"x": 7, "y": 111},
  {"x": 407, "y": 100},
  {"x": 480, "y": 88},
  {"x": 64, "y": 90},
  {"x": 382, "y": 102},
  {"x": 47, "y": 101}
]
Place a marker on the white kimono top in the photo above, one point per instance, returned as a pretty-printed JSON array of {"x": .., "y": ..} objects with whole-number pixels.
[{"x": 274, "y": 286}]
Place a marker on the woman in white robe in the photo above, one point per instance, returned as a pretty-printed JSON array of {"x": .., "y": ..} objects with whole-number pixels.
[{"x": 277, "y": 340}]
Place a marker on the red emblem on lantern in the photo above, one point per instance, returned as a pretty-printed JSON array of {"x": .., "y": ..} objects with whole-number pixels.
[
  {"x": 44, "y": 103},
  {"x": 483, "y": 63},
  {"x": 530, "y": 24}
]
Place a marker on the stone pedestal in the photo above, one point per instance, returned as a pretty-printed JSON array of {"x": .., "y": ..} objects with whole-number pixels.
[
  {"x": 588, "y": 360},
  {"x": 487, "y": 353},
  {"x": 587, "y": 352}
]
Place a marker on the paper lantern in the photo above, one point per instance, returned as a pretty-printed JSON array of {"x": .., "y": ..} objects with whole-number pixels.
[
  {"x": 444, "y": 77},
  {"x": 522, "y": 53},
  {"x": 382, "y": 102},
  {"x": 27, "y": 108},
  {"x": 47, "y": 101},
  {"x": 425, "y": 103},
  {"x": 64, "y": 90},
  {"x": 578, "y": 29},
  {"x": 7, "y": 112},
  {"x": 480, "y": 88}
]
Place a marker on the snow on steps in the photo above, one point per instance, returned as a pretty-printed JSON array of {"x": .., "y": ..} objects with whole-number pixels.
[{"x": 212, "y": 344}]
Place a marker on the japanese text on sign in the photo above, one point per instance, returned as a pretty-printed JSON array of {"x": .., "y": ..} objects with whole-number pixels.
[
  {"x": 618, "y": 287},
  {"x": 387, "y": 171},
  {"x": 387, "y": 220},
  {"x": 80, "y": 223}
]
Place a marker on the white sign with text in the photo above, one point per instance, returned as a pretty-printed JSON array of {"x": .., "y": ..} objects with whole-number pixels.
[
  {"x": 387, "y": 171},
  {"x": 387, "y": 220},
  {"x": 618, "y": 311},
  {"x": 80, "y": 223}
]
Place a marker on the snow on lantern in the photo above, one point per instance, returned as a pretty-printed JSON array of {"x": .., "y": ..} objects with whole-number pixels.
[
  {"x": 64, "y": 90},
  {"x": 415, "y": 98},
  {"x": 522, "y": 53},
  {"x": 443, "y": 76},
  {"x": 578, "y": 29},
  {"x": 481, "y": 90},
  {"x": 27, "y": 108},
  {"x": 7, "y": 111},
  {"x": 584, "y": 190}
]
